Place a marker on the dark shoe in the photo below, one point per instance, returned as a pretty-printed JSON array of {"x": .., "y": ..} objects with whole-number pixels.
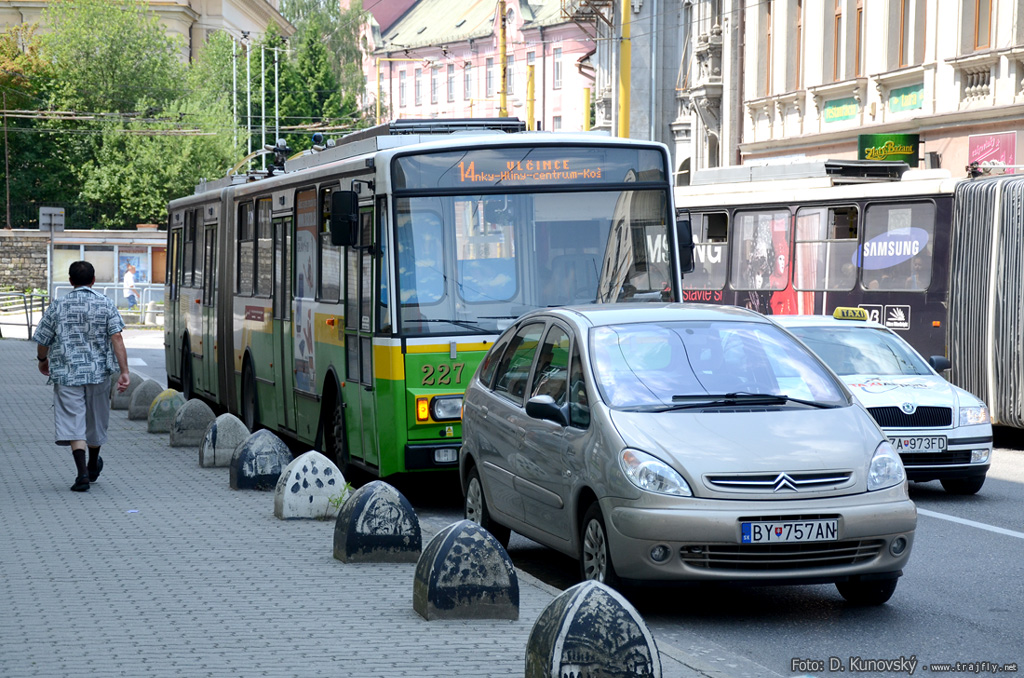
[
  {"x": 81, "y": 484},
  {"x": 94, "y": 471}
]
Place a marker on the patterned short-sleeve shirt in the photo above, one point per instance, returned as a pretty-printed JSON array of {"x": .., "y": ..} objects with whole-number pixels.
[{"x": 77, "y": 328}]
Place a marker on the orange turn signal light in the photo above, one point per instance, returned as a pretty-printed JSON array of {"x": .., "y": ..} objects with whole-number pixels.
[{"x": 422, "y": 409}]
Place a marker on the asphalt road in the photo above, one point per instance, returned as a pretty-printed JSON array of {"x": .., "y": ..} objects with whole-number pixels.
[{"x": 960, "y": 599}]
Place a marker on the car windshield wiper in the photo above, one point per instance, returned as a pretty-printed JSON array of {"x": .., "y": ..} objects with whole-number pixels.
[{"x": 685, "y": 402}]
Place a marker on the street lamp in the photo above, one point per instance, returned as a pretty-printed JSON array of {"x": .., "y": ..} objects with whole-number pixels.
[{"x": 426, "y": 62}]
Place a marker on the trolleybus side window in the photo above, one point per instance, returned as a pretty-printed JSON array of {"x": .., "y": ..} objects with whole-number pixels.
[
  {"x": 264, "y": 279},
  {"x": 710, "y": 245},
  {"x": 330, "y": 255},
  {"x": 759, "y": 239},
  {"x": 826, "y": 247},
  {"x": 384, "y": 312},
  {"x": 282, "y": 268},
  {"x": 245, "y": 249},
  {"x": 897, "y": 249},
  {"x": 188, "y": 262},
  {"x": 174, "y": 270}
]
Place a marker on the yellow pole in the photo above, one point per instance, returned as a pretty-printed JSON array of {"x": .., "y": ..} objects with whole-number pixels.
[
  {"x": 529, "y": 97},
  {"x": 624, "y": 67},
  {"x": 586, "y": 109},
  {"x": 502, "y": 95},
  {"x": 378, "y": 90}
]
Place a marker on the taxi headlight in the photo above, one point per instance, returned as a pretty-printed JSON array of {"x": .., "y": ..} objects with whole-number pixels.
[
  {"x": 885, "y": 469},
  {"x": 446, "y": 408},
  {"x": 974, "y": 415},
  {"x": 652, "y": 474}
]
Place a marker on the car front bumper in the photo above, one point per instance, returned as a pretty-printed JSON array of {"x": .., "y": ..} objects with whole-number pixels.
[{"x": 704, "y": 539}]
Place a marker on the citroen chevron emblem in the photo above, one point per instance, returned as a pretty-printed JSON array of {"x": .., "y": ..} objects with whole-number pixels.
[{"x": 784, "y": 482}]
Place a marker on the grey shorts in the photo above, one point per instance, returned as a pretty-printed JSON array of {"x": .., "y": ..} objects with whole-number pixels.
[{"x": 82, "y": 413}]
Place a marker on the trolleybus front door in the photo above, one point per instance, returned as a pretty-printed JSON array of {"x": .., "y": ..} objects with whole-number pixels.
[
  {"x": 284, "y": 376},
  {"x": 208, "y": 371},
  {"x": 361, "y": 411}
]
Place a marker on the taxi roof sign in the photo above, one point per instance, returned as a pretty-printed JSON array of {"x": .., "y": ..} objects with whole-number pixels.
[{"x": 849, "y": 313}]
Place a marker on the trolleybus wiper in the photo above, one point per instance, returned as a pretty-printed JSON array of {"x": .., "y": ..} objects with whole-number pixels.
[{"x": 468, "y": 324}]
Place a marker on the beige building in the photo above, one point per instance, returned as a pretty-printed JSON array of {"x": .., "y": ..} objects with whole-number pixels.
[
  {"x": 193, "y": 20},
  {"x": 779, "y": 78}
]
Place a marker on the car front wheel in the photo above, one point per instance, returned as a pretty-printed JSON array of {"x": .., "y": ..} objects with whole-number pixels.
[
  {"x": 871, "y": 592},
  {"x": 595, "y": 558},
  {"x": 476, "y": 509}
]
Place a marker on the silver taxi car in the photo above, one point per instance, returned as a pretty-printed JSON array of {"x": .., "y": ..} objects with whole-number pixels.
[
  {"x": 682, "y": 442},
  {"x": 940, "y": 431}
]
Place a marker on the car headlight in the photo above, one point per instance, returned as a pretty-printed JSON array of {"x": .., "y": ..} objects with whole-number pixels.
[
  {"x": 652, "y": 474},
  {"x": 886, "y": 469},
  {"x": 974, "y": 415}
]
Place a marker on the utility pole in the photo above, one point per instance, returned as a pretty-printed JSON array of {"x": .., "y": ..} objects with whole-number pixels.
[
  {"x": 234, "y": 88},
  {"x": 277, "y": 117},
  {"x": 502, "y": 93},
  {"x": 7, "y": 166},
  {"x": 625, "y": 65},
  {"x": 263, "y": 102},
  {"x": 248, "y": 93}
]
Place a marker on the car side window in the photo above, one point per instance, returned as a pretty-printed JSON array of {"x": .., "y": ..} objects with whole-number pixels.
[
  {"x": 493, "y": 358},
  {"x": 579, "y": 404},
  {"x": 513, "y": 373},
  {"x": 552, "y": 370}
]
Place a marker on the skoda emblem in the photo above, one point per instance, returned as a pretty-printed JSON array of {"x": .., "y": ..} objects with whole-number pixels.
[{"x": 908, "y": 408}]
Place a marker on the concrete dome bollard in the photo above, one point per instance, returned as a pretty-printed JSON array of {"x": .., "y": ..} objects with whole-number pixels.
[
  {"x": 377, "y": 525},
  {"x": 464, "y": 573},
  {"x": 121, "y": 401},
  {"x": 190, "y": 422},
  {"x": 161, "y": 411},
  {"x": 142, "y": 398},
  {"x": 221, "y": 438},
  {"x": 258, "y": 462},
  {"x": 311, "y": 486},
  {"x": 591, "y": 630}
]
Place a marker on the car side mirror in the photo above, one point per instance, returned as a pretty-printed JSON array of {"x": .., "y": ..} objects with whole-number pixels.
[
  {"x": 344, "y": 218},
  {"x": 684, "y": 236},
  {"x": 939, "y": 363},
  {"x": 545, "y": 407}
]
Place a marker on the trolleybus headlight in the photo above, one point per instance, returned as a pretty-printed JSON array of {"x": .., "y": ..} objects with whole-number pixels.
[{"x": 446, "y": 408}]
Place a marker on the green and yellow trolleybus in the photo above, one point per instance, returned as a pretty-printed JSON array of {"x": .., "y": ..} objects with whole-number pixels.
[{"x": 345, "y": 299}]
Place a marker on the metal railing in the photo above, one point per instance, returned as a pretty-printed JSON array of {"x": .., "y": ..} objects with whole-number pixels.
[
  {"x": 22, "y": 309},
  {"x": 148, "y": 292}
]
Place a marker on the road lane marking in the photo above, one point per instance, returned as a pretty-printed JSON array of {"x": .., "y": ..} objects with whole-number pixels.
[{"x": 972, "y": 523}]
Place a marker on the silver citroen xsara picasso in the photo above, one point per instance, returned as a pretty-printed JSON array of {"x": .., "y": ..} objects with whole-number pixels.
[{"x": 683, "y": 442}]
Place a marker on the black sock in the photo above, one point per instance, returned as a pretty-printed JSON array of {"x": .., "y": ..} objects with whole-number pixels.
[
  {"x": 94, "y": 457},
  {"x": 79, "y": 456}
]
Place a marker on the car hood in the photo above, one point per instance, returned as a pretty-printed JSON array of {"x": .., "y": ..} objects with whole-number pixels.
[
  {"x": 881, "y": 390},
  {"x": 713, "y": 444}
]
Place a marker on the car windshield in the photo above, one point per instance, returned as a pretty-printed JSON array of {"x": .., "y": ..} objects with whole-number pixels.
[
  {"x": 667, "y": 364},
  {"x": 862, "y": 350}
]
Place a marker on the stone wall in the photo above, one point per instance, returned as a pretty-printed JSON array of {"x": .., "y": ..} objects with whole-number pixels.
[{"x": 23, "y": 259}]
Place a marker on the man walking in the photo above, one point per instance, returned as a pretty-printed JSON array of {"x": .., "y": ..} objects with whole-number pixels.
[
  {"x": 79, "y": 345},
  {"x": 130, "y": 293}
]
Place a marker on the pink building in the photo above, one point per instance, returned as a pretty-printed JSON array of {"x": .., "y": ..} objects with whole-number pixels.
[{"x": 441, "y": 59}]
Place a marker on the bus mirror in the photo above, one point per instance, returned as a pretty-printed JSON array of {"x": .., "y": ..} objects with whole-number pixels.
[
  {"x": 344, "y": 218},
  {"x": 684, "y": 235}
]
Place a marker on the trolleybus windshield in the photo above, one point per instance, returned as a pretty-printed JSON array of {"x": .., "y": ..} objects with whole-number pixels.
[{"x": 470, "y": 262}]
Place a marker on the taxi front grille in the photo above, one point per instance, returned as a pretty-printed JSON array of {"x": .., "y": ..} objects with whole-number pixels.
[
  {"x": 923, "y": 417},
  {"x": 777, "y": 557},
  {"x": 936, "y": 458}
]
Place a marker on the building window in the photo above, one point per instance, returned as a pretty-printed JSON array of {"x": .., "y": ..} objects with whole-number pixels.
[
  {"x": 799, "y": 30},
  {"x": 434, "y": 84},
  {"x": 982, "y": 24},
  {"x": 859, "y": 56},
  {"x": 489, "y": 77},
  {"x": 556, "y": 68},
  {"x": 467, "y": 81},
  {"x": 510, "y": 69},
  {"x": 768, "y": 47},
  {"x": 417, "y": 86},
  {"x": 911, "y": 48},
  {"x": 556, "y": 123},
  {"x": 401, "y": 88},
  {"x": 837, "y": 39},
  {"x": 451, "y": 82}
]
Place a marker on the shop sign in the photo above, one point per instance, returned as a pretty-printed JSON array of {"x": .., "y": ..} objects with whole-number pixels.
[
  {"x": 841, "y": 109},
  {"x": 892, "y": 147},
  {"x": 906, "y": 98}
]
